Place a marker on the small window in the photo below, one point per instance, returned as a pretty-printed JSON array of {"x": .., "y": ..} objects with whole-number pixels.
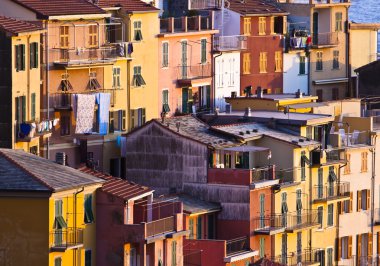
[
  {"x": 33, "y": 55},
  {"x": 33, "y": 106},
  {"x": 278, "y": 61},
  {"x": 364, "y": 162},
  {"x": 338, "y": 21},
  {"x": 174, "y": 253},
  {"x": 262, "y": 247},
  {"x": 247, "y": 26},
  {"x": 165, "y": 54},
  {"x": 137, "y": 31},
  {"x": 263, "y": 62},
  {"x": 116, "y": 78},
  {"x": 330, "y": 257},
  {"x": 88, "y": 258},
  {"x": 330, "y": 215},
  {"x": 93, "y": 36},
  {"x": 319, "y": 64},
  {"x": 262, "y": 25},
  {"x": 335, "y": 94},
  {"x": 165, "y": 101},
  {"x": 58, "y": 261},
  {"x": 88, "y": 213},
  {"x": 65, "y": 124},
  {"x": 302, "y": 65},
  {"x": 347, "y": 168},
  {"x": 335, "y": 59},
  {"x": 320, "y": 216},
  {"x": 191, "y": 228},
  {"x": 20, "y": 57},
  {"x": 203, "y": 51},
  {"x": 64, "y": 36},
  {"x": 246, "y": 63},
  {"x": 138, "y": 80}
]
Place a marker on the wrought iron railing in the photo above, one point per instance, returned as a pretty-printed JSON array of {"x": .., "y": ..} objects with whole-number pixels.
[
  {"x": 160, "y": 226},
  {"x": 230, "y": 43},
  {"x": 326, "y": 192},
  {"x": 237, "y": 245},
  {"x": 194, "y": 72},
  {"x": 66, "y": 238}
]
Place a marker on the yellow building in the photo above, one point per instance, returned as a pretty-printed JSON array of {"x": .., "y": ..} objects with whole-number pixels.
[
  {"x": 141, "y": 27},
  {"x": 20, "y": 84},
  {"x": 47, "y": 212}
]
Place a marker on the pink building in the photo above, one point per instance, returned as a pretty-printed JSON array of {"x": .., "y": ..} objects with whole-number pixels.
[{"x": 185, "y": 64}]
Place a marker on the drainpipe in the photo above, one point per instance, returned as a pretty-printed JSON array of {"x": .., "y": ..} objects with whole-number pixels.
[
  {"x": 348, "y": 55},
  {"x": 213, "y": 71},
  {"x": 75, "y": 223},
  {"x": 47, "y": 156},
  {"x": 28, "y": 76},
  {"x": 373, "y": 151}
]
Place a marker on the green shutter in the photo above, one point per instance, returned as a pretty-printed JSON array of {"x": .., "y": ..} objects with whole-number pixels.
[
  {"x": 203, "y": 51},
  {"x": 185, "y": 99},
  {"x": 17, "y": 57},
  {"x": 33, "y": 107},
  {"x": 191, "y": 228},
  {"x": 31, "y": 55},
  {"x": 36, "y": 63},
  {"x": 22, "y": 56},
  {"x": 58, "y": 262},
  {"x": 199, "y": 228},
  {"x": 87, "y": 258},
  {"x": 174, "y": 253},
  {"x": 208, "y": 96},
  {"x": 88, "y": 214},
  {"x": 23, "y": 104}
]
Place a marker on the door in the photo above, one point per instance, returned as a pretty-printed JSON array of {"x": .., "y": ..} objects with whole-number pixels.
[
  {"x": 315, "y": 27},
  {"x": 184, "y": 60},
  {"x": 320, "y": 183},
  {"x": 185, "y": 99}
]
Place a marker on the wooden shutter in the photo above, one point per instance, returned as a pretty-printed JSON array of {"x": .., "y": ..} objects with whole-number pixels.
[
  {"x": 351, "y": 200},
  {"x": 340, "y": 208},
  {"x": 349, "y": 251},
  {"x": 370, "y": 244},
  {"x": 368, "y": 199},
  {"x": 359, "y": 200},
  {"x": 339, "y": 249},
  {"x": 359, "y": 246},
  {"x": 31, "y": 55},
  {"x": 22, "y": 56},
  {"x": 33, "y": 106},
  {"x": 378, "y": 243},
  {"x": 23, "y": 105}
]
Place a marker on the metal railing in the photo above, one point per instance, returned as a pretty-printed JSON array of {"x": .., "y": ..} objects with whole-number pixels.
[
  {"x": 326, "y": 192},
  {"x": 299, "y": 220},
  {"x": 268, "y": 222},
  {"x": 263, "y": 173},
  {"x": 327, "y": 38},
  {"x": 237, "y": 245},
  {"x": 204, "y": 4},
  {"x": 185, "y": 24},
  {"x": 66, "y": 238},
  {"x": 160, "y": 226},
  {"x": 310, "y": 2},
  {"x": 305, "y": 257},
  {"x": 230, "y": 43},
  {"x": 194, "y": 72}
]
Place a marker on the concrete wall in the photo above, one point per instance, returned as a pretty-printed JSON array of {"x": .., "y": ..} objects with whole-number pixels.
[
  {"x": 293, "y": 80},
  {"x": 226, "y": 21}
]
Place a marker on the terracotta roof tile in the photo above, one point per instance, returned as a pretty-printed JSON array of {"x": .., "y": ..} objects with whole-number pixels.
[
  {"x": 254, "y": 7},
  {"x": 127, "y": 5},
  {"x": 14, "y": 26},
  {"x": 46, "y": 8}
]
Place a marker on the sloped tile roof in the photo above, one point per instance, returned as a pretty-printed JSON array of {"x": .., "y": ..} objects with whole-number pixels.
[
  {"x": 46, "y": 8},
  {"x": 128, "y": 5},
  {"x": 254, "y": 7},
  {"x": 24, "y": 171},
  {"x": 14, "y": 26}
]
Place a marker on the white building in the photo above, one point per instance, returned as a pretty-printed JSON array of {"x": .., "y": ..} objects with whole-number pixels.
[{"x": 296, "y": 69}]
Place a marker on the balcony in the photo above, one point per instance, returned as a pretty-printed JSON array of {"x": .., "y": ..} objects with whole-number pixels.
[
  {"x": 204, "y": 4},
  {"x": 230, "y": 43},
  {"x": 186, "y": 75},
  {"x": 160, "y": 227},
  {"x": 186, "y": 24},
  {"x": 315, "y": 2},
  {"x": 295, "y": 222},
  {"x": 328, "y": 39},
  {"x": 333, "y": 192},
  {"x": 269, "y": 225},
  {"x": 83, "y": 56},
  {"x": 240, "y": 176},
  {"x": 69, "y": 238},
  {"x": 61, "y": 101},
  {"x": 305, "y": 257},
  {"x": 237, "y": 245}
]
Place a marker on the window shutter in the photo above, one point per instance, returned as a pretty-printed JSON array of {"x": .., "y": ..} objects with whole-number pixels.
[
  {"x": 22, "y": 56},
  {"x": 23, "y": 99},
  {"x": 370, "y": 244},
  {"x": 17, "y": 57},
  {"x": 33, "y": 106},
  {"x": 123, "y": 123},
  {"x": 349, "y": 252},
  {"x": 351, "y": 200},
  {"x": 31, "y": 55},
  {"x": 359, "y": 246},
  {"x": 339, "y": 249},
  {"x": 359, "y": 200},
  {"x": 340, "y": 208},
  {"x": 368, "y": 199},
  {"x": 378, "y": 243}
]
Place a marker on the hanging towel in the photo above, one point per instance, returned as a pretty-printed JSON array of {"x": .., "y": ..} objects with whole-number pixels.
[
  {"x": 85, "y": 113},
  {"x": 103, "y": 100},
  {"x": 118, "y": 141},
  {"x": 25, "y": 129}
]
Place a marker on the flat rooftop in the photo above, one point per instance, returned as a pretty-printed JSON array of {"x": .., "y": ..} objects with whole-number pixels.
[{"x": 276, "y": 97}]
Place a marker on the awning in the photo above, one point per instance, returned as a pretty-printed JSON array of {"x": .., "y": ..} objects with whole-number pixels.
[
  {"x": 330, "y": 81},
  {"x": 246, "y": 149},
  {"x": 306, "y": 105}
]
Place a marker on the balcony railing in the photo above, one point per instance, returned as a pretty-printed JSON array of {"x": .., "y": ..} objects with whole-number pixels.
[
  {"x": 237, "y": 245},
  {"x": 204, "y": 4},
  {"x": 297, "y": 221},
  {"x": 305, "y": 257},
  {"x": 330, "y": 192},
  {"x": 230, "y": 43},
  {"x": 325, "y": 39},
  {"x": 269, "y": 224},
  {"x": 66, "y": 238},
  {"x": 84, "y": 56},
  {"x": 160, "y": 226},
  {"x": 194, "y": 72},
  {"x": 315, "y": 2},
  {"x": 186, "y": 24}
]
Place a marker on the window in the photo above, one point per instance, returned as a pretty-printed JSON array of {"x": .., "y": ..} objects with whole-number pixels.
[
  {"x": 247, "y": 26},
  {"x": 137, "y": 117},
  {"x": 199, "y": 227},
  {"x": 64, "y": 36},
  {"x": 174, "y": 253},
  {"x": 165, "y": 54},
  {"x": 117, "y": 121},
  {"x": 330, "y": 257},
  {"x": 345, "y": 247},
  {"x": 272, "y": 31},
  {"x": 304, "y": 161},
  {"x": 203, "y": 51},
  {"x": 33, "y": 55},
  {"x": 363, "y": 199},
  {"x": 191, "y": 228},
  {"x": 302, "y": 65},
  {"x": 88, "y": 213},
  {"x": 33, "y": 106},
  {"x": 284, "y": 248},
  {"x": 299, "y": 205},
  {"x": 262, "y": 25},
  {"x": 65, "y": 124},
  {"x": 347, "y": 205},
  {"x": 338, "y": 21},
  {"x": 330, "y": 215},
  {"x": 20, "y": 109},
  {"x": 320, "y": 216},
  {"x": 165, "y": 101},
  {"x": 227, "y": 160},
  {"x": 347, "y": 168},
  {"x": 20, "y": 57},
  {"x": 138, "y": 80},
  {"x": 246, "y": 63},
  {"x": 335, "y": 59},
  {"x": 116, "y": 78},
  {"x": 284, "y": 209},
  {"x": 262, "y": 247},
  {"x": 59, "y": 221},
  {"x": 320, "y": 183},
  {"x": 137, "y": 31},
  {"x": 58, "y": 261},
  {"x": 263, "y": 62},
  {"x": 320, "y": 95},
  {"x": 364, "y": 167},
  {"x": 262, "y": 210},
  {"x": 319, "y": 65},
  {"x": 87, "y": 258},
  {"x": 93, "y": 36},
  {"x": 335, "y": 93},
  {"x": 278, "y": 61}
]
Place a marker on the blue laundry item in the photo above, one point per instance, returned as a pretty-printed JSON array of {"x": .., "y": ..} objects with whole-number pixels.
[
  {"x": 118, "y": 141},
  {"x": 25, "y": 129},
  {"x": 130, "y": 48},
  {"x": 103, "y": 100}
]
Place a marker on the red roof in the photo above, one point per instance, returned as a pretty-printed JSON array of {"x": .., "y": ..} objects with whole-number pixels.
[
  {"x": 46, "y": 8},
  {"x": 118, "y": 187},
  {"x": 254, "y": 7},
  {"x": 128, "y": 5},
  {"x": 14, "y": 26}
]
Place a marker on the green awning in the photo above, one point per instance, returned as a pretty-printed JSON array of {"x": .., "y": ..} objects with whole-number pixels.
[
  {"x": 88, "y": 214},
  {"x": 59, "y": 223}
]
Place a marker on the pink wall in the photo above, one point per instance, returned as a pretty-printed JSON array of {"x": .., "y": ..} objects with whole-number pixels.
[{"x": 229, "y": 176}]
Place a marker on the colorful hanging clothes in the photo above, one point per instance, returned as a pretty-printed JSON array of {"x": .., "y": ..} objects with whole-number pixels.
[
  {"x": 103, "y": 100},
  {"x": 85, "y": 113}
]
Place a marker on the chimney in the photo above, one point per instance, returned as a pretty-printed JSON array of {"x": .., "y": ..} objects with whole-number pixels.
[
  {"x": 247, "y": 112},
  {"x": 60, "y": 158},
  {"x": 233, "y": 94},
  {"x": 260, "y": 92},
  {"x": 248, "y": 91}
]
